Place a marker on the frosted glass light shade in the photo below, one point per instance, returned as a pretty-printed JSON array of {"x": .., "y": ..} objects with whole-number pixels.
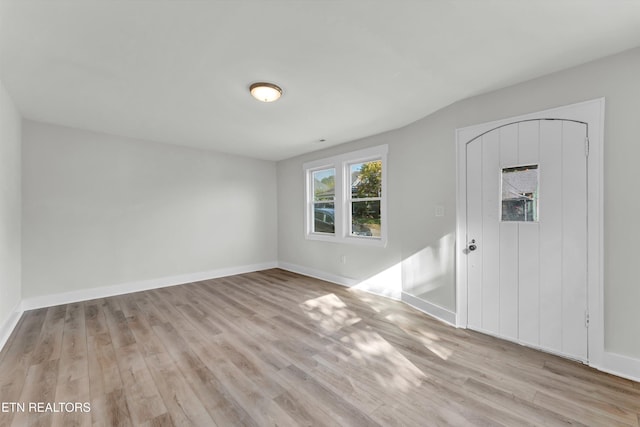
[{"x": 265, "y": 92}]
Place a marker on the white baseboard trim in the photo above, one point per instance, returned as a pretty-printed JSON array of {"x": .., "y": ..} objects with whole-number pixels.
[
  {"x": 318, "y": 274},
  {"x": 433, "y": 310},
  {"x": 328, "y": 277},
  {"x": 621, "y": 366},
  {"x": 6, "y": 329},
  {"x": 137, "y": 286}
]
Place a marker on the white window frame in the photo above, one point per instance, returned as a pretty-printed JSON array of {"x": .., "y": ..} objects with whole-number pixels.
[{"x": 342, "y": 202}]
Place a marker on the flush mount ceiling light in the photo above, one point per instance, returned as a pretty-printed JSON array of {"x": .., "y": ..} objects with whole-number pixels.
[{"x": 265, "y": 92}]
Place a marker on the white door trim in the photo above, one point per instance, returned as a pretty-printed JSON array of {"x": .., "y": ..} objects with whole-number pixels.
[{"x": 591, "y": 113}]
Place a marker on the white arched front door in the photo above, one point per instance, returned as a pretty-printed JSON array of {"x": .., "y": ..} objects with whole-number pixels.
[
  {"x": 527, "y": 234},
  {"x": 553, "y": 259}
]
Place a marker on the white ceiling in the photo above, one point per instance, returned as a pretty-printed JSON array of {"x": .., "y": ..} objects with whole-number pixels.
[{"x": 179, "y": 71}]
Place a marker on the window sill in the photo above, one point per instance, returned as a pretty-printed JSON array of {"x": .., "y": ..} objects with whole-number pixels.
[{"x": 348, "y": 240}]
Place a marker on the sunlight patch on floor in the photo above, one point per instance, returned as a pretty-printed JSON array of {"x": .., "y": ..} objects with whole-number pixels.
[
  {"x": 389, "y": 367},
  {"x": 368, "y": 348},
  {"x": 435, "y": 348},
  {"x": 330, "y": 312},
  {"x": 430, "y": 340}
]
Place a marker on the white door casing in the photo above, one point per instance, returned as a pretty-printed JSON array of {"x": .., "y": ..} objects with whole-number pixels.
[{"x": 517, "y": 273}]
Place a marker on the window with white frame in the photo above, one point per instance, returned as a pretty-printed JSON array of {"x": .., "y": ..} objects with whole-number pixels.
[
  {"x": 346, "y": 197},
  {"x": 323, "y": 182}
]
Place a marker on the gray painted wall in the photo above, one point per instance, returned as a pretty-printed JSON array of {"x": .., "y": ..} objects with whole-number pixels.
[
  {"x": 101, "y": 210},
  {"x": 10, "y": 208},
  {"x": 422, "y": 175}
]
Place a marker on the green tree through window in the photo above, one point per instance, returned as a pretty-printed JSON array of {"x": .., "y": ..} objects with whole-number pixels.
[{"x": 366, "y": 192}]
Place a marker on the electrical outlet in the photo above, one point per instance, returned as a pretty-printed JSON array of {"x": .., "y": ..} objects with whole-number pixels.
[
  {"x": 343, "y": 259},
  {"x": 439, "y": 210}
]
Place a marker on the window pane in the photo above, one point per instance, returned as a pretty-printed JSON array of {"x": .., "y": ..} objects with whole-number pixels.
[
  {"x": 365, "y": 218},
  {"x": 324, "y": 184},
  {"x": 520, "y": 193},
  {"x": 366, "y": 179},
  {"x": 324, "y": 218}
]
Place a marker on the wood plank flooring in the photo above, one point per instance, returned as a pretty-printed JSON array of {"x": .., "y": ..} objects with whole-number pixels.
[{"x": 276, "y": 348}]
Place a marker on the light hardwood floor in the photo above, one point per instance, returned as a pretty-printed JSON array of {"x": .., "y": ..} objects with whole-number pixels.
[{"x": 277, "y": 348}]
